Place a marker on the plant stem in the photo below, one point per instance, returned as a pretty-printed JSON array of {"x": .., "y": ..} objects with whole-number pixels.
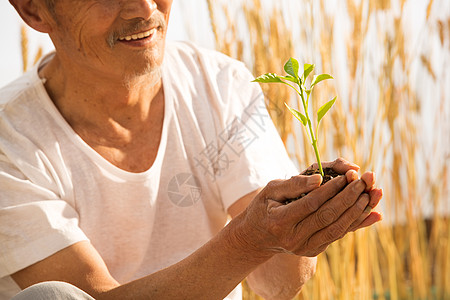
[
  {"x": 311, "y": 132},
  {"x": 316, "y": 151}
]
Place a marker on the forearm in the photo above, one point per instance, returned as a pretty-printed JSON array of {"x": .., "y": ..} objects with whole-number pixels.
[
  {"x": 211, "y": 272},
  {"x": 282, "y": 276}
]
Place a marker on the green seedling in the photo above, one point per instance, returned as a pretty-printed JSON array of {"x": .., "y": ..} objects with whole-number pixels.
[{"x": 292, "y": 68}]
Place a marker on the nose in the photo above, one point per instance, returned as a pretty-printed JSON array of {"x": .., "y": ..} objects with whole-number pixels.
[{"x": 138, "y": 9}]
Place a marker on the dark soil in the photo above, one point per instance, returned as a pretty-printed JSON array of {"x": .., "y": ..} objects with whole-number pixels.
[{"x": 329, "y": 174}]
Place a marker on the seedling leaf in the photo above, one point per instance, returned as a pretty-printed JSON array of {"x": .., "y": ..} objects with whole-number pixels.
[
  {"x": 291, "y": 67},
  {"x": 290, "y": 78},
  {"x": 267, "y": 78},
  {"x": 320, "y": 78},
  {"x": 297, "y": 114},
  {"x": 324, "y": 109},
  {"x": 308, "y": 68}
]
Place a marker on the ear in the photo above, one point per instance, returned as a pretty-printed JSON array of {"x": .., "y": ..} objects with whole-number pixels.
[{"x": 34, "y": 13}]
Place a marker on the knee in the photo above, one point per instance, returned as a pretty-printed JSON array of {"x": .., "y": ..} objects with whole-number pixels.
[{"x": 52, "y": 290}]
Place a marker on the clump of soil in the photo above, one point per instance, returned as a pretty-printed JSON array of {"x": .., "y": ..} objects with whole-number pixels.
[{"x": 329, "y": 174}]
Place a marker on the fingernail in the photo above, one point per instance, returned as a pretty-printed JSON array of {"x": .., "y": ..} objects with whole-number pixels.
[
  {"x": 352, "y": 175},
  {"x": 353, "y": 165},
  {"x": 368, "y": 209},
  {"x": 314, "y": 180}
]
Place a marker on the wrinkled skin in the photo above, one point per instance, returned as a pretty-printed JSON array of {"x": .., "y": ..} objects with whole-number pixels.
[{"x": 307, "y": 226}]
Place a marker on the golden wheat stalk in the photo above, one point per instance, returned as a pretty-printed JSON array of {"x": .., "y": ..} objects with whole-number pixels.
[
  {"x": 24, "y": 47},
  {"x": 406, "y": 257},
  {"x": 24, "y": 43}
]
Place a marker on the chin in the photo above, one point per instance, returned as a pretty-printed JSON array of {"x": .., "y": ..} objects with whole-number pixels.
[{"x": 149, "y": 75}]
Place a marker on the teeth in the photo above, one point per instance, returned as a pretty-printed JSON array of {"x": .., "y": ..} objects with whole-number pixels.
[{"x": 137, "y": 36}]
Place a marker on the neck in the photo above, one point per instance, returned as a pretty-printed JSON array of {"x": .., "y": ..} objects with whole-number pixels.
[
  {"x": 120, "y": 118},
  {"x": 92, "y": 97}
]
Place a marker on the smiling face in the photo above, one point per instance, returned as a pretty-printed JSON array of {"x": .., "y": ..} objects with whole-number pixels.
[{"x": 110, "y": 38}]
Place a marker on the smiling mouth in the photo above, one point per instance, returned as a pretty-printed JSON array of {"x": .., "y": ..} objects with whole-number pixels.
[{"x": 138, "y": 36}]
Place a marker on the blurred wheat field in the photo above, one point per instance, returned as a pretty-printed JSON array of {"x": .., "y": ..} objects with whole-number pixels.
[{"x": 392, "y": 116}]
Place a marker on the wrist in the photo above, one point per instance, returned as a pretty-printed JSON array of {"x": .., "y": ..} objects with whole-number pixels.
[{"x": 241, "y": 237}]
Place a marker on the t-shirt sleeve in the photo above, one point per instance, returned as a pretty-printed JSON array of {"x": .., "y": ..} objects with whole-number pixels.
[
  {"x": 34, "y": 222},
  {"x": 251, "y": 152}
]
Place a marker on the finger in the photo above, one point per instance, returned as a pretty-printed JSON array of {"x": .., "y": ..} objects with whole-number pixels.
[
  {"x": 340, "y": 165},
  {"x": 315, "y": 199},
  {"x": 340, "y": 227},
  {"x": 369, "y": 179},
  {"x": 375, "y": 196},
  {"x": 351, "y": 175},
  {"x": 282, "y": 190},
  {"x": 361, "y": 218},
  {"x": 333, "y": 209},
  {"x": 371, "y": 219}
]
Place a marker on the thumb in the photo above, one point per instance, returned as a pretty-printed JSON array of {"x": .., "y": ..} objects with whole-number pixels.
[{"x": 282, "y": 190}]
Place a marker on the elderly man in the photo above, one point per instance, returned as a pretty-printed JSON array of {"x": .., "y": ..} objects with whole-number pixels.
[{"x": 121, "y": 158}]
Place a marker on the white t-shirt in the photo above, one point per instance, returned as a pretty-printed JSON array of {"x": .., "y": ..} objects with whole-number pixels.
[{"x": 218, "y": 143}]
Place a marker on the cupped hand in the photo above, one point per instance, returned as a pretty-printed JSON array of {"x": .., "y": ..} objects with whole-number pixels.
[
  {"x": 307, "y": 226},
  {"x": 342, "y": 166}
]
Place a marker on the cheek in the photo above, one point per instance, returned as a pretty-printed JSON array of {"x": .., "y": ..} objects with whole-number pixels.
[
  {"x": 105, "y": 11},
  {"x": 93, "y": 20},
  {"x": 82, "y": 39},
  {"x": 94, "y": 32},
  {"x": 164, "y": 6}
]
